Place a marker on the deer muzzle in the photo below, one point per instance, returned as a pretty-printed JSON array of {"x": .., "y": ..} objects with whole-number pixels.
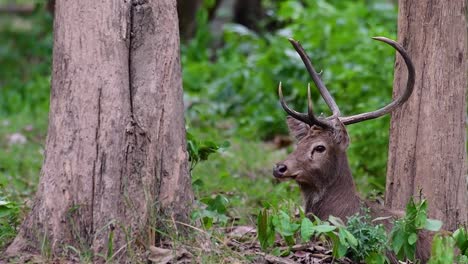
[{"x": 280, "y": 171}]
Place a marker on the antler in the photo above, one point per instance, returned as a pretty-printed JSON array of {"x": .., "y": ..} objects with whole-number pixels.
[
  {"x": 316, "y": 78},
  {"x": 395, "y": 103},
  {"x": 308, "y": 118},
  {"x": 312, "y": 120}
]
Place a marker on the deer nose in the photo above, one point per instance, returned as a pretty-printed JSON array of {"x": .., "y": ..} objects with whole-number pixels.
[{"x": 279, "y": 170}]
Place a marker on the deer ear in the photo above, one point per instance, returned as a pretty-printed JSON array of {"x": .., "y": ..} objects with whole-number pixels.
[
  {"x": 297, "y": 128},
  {"x": 341, "y": 135}
]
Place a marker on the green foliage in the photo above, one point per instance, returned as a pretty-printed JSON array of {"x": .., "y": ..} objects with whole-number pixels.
[
  {"x": 405, "y": 231},
  {"x": 372, "y": 239},
  {"x": 265, "y": 229},
  {"x": 201, "y": 150},
  {"x": 443, "y": 248},
  {"x": 25, "y": 59},
  {"x": 361, "y": 240},
  {"x": 237, "y": 81},
  {"x": 293, "y": 229},
  {"x": 461, "y": 240},
  {"x": 212, "y": 211},
  {"x": 9, "y": 220}
]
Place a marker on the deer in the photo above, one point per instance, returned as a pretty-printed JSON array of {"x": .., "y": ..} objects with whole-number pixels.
[{"x": 319, "y": 163}]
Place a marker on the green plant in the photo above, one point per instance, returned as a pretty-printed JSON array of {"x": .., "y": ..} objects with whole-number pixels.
[
  {"x": 443, "y": 246},
  {"x": 372, "y": 239},
  {"x": 212, "y": 211},
  {"x": 359, "y": 238},
  {"x": 461, "y": 240},
  {"x": 442, "y": 250},
  {"x": 278, "y": 221},
  {"x": 9, "y": 220},
  {"x": 405, "y": 230},
  {"x": 201, "y": 150}
]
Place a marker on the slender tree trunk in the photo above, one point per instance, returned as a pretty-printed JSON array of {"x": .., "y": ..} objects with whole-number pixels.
[
  {"x": 116, "y": 161},
  {"x": 187, "y": 10},
  {"x": 428, "y": 134},
  {"x": 248, "y": 13}
]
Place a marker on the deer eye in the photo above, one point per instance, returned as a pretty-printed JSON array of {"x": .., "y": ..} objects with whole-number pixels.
[{"x": 319, "y": 149}]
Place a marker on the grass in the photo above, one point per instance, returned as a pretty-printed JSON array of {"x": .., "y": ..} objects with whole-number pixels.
[
  {"x": 243, "y": 173},
  {"x": 20, "y": 163}
]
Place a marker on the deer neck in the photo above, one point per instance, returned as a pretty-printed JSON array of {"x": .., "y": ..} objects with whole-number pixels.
[{"x": 339, "y": 198}]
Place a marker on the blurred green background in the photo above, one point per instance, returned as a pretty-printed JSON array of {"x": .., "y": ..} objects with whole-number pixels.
[{"x": 230, "y": 75}]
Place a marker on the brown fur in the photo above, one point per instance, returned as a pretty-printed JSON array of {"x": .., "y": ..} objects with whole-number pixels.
[{"x": 325, "y": 178}]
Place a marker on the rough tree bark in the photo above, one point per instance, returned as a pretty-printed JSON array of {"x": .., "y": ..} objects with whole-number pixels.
[
  {"x": 116, "y": 160},
  {"x": 427, "y": 136}
]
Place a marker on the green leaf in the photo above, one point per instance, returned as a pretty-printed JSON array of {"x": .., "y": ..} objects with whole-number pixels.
[
  {"x": 207, "y": 222},
  {"x": 283, "y": 225},
  {"x": 323, "y": 228},
  {"x": 409, "y": 250},
  {"x": 336, "y": 221},
  {"x": 264, "y": 229},
  {"x": 306, "y": 229},
  {"x": 433, "y": 225},
  {"x": 376, "y": 258},
  {"x": 225, "y": 145},
  {"x": 349, "y": 237},
  {"x": 218, "y": 204},
  {"x": 4, "y": 211},
  {"x": 461, "y": 240},
  {"x": 339, "y": 250},
  {"x": 442, "y": 250},
  {"x": 412, "y": 238},
  {"x": 397, "y": 239}
]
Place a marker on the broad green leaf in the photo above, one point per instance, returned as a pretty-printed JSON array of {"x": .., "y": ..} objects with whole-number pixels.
[
  {"x": 4, "y": 211},
  {"x": 409, "y": 250},
  {"x": 218, "y": 204},
  {"x": 376, "y": 258},
  {"x": 442, "y": 250},
  {"x": 398, "y": 238},
  {"x": 412, "y": 238},
  {"x": 461, "y": 239},
  {"x": 349, "y": 237},
  {"x": 336, "y": 221},
  {"x": 323, "y": 228},
  {"x": 306, "y": 229}
]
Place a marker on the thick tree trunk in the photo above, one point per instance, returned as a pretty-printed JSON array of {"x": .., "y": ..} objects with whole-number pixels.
[
  {"x": 428, "y": 137},
  {"x": 116, "y": 160}
]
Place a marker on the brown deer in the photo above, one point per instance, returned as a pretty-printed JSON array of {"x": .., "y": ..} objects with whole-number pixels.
[{"x": 319, "y": 163}]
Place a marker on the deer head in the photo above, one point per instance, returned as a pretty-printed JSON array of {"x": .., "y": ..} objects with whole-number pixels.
[{"x": 319, "y": 163}]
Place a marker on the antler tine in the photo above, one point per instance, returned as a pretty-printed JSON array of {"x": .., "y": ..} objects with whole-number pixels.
[
  {"x": 291, "y": 112},
  {"x": 316, "y": 78},
  {"x": 309, "y": 118},
  {"x": 310, "y": 111},
  {"x": 397, "y": 102}
]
